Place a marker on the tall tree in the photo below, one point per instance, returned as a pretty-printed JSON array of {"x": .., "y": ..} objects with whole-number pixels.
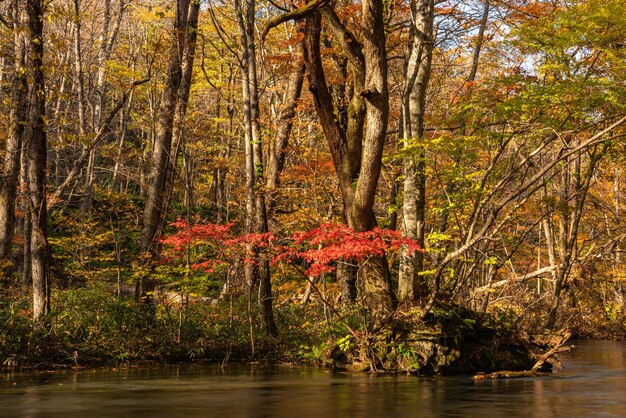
[
  {"x": 416, "y": 75},
  {"x": 107, "y": 38},
  {"x": 357, "y": 148},
  {"x": 35, "y": 143},
  {"x": 278, "y": 153},
  {"x": 189, "y": 53},
  {"x": 18, "y": 119},
  {"x": 256, "y": 210},
  {"x": 156, "y": 203}
]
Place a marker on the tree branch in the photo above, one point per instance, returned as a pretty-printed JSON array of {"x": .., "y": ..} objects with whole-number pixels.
[
  {"x": 80, "y": 160},
  {"x": 296, "y": 14}
]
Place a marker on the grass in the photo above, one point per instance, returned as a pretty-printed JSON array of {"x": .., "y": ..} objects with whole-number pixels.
[{"x": 91, "y": 327}]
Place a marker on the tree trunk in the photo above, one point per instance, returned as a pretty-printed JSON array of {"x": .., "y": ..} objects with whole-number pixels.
[
  {"x": 191, "y": 34},
  {"x": 26, "y": 227},
  {"x": 155, "y": 209},
  {"x": 118, "y": 166},
  {"x": 107, "y": 39},
  {"x": 78, "y": 72},
  {"x": 18, "y": 116},
  {"x": 570, "y": 222},
  {"x": 417, "y": 75},
  {"x": 256, "y": 211},
  {"x": 346, "y": 275},
  {"x": 35, "y": 142},
  {"x": 358, "y": 196},
  {"x": 276, "y": 161}
]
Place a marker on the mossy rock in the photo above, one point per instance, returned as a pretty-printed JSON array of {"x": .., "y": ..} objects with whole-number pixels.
[{"x": 451, "y": 340}]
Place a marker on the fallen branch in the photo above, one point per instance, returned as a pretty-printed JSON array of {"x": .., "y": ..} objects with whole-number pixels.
[
  {"x": 517, "y": 279},
  {"x": 558, "y": 347},
  {"x": 548, "y": 356},
  {"x": 508, "y": 375}
]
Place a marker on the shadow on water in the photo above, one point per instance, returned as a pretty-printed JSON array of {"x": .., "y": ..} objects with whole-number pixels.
[{"x": 592, "y": 383}]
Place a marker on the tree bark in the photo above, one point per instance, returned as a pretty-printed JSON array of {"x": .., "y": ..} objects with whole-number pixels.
[
  {"x": 189, "y": 54},
  {"x": 35, "y": 142},
  {"x": 256, "y": 211},
  {"x": 26, "y": 226},
  {"x": 18, "y": 116},
  {"x": 276, "y": 161},
  {"x": 119, "y": 161},
  {"x": 417, "y": 75},
  {"x": 570, "y": 221},
  {"x": 154, "y": 211},
  {"x": 358, "y": 194}
]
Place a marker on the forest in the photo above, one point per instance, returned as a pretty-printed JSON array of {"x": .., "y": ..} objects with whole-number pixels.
[{"x": 367, "y": 184}]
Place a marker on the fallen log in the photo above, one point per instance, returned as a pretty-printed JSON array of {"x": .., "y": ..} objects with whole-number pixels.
[
  {"x": 508, "y": 375},
  {"x": 557, "y": 346}
]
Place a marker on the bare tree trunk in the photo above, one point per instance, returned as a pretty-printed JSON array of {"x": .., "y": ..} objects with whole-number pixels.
[
  {"x": 183, "y": 99},
  {"x": 393, "y": 201},
  {"x": 620, "y": 289},
  {"x": 417, "y": 75},
  {"x": 163, "y": 140},
  {"x": 346, "y": 275},
  {"x": 571, "y": 222},
  {"x": 26, "y": 267},
  {"x": 154, "y": 210},
  {"x": 277, "y": 155},
  {"x": 79, "y": 82},
  {"x": 374, "y": 277},
  {"x": 117, "y": 167},
  {"x": 36, "y": 143},
  {"x": 78, "y": 72},
  {"x": 548, "y": 229},
  {"x": 18, "y": 116},
  {"x": 107, "y": 39},
  {"x": 256, "y": 211},
  {"x": 374, "y": 272}
]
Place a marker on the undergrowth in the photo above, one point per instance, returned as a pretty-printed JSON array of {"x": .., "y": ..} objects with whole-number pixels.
[{"x": 91, "y": 326}]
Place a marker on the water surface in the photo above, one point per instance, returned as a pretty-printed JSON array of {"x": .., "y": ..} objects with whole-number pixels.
[{"x": 592, "y": 383}]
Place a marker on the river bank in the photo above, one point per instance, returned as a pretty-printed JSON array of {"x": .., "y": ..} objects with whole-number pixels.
[{"x": 90, "y": 327}]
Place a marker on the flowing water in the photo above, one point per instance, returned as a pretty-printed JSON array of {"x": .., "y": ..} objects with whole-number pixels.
[{"x": 592, "y": 383}]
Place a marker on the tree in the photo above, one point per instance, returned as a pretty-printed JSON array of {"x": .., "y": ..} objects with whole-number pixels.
[
  {"x": 257, "y": 271},
  {"x": 356, "y": 148},
  {"x": 18, "y": 115},
  {"x": 162, "y": 161},
  {"x": 417, "y": 74},
  {"x": 36, "y": 145}
]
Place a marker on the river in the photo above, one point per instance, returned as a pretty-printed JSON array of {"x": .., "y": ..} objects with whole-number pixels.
[{"x": 592, "y": 383}]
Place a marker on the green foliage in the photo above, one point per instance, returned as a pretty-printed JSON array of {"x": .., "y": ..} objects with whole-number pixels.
[
  {"x": 578, "y": 63},
  {"x": 345, "y": 343},
  {"x": 408, "y": 357},
  {"x": 98, "y": 246},
  {"x": 316, "y": 354},
  {"x": 91, "y": 326}
]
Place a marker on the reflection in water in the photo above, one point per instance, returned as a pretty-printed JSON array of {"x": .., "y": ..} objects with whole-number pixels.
[{"x": 593, "y": 383}]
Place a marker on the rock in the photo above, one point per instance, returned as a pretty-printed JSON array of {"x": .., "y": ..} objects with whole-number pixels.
[{"x": 451, "y": 340}]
